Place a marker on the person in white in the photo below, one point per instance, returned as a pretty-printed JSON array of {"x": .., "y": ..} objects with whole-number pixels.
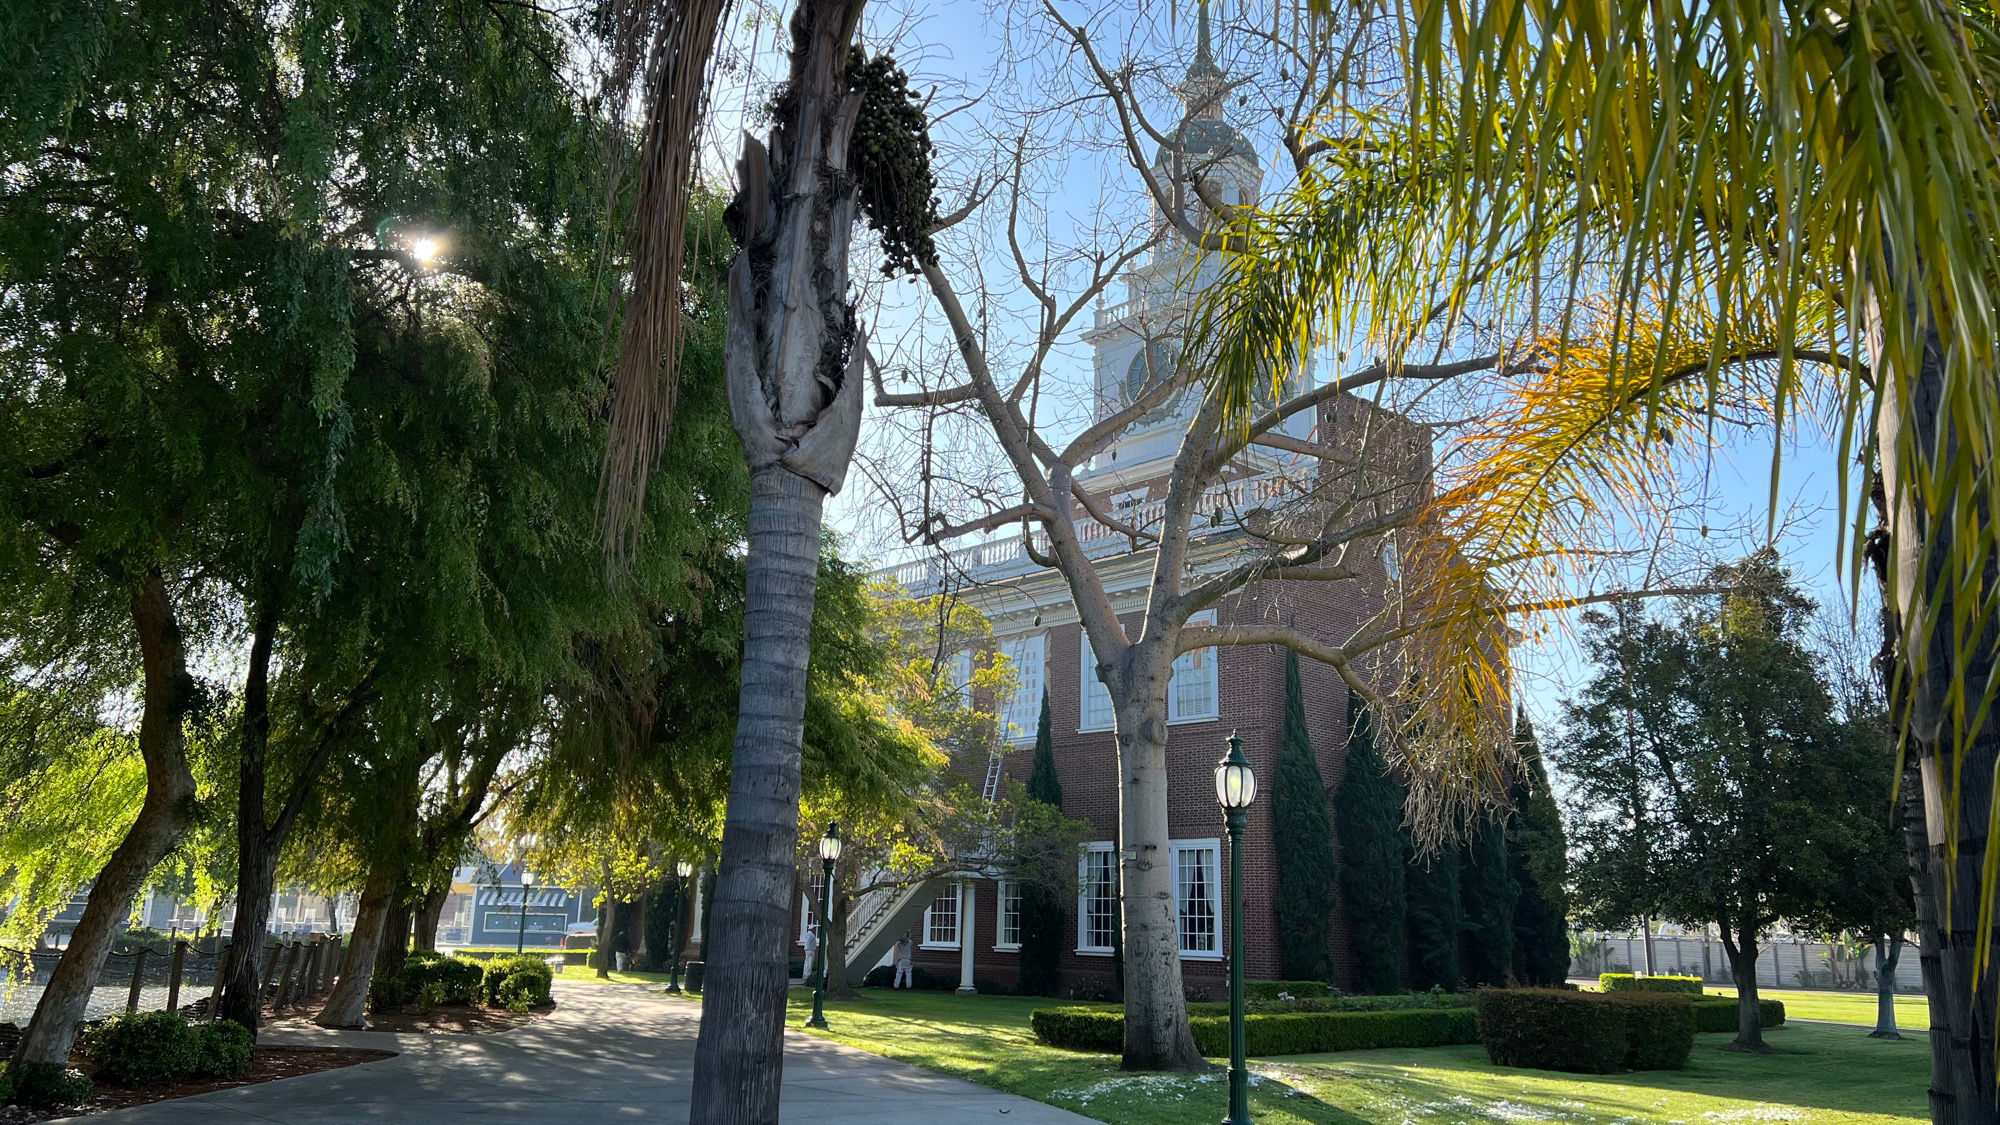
[
  {"x": 904, "y": 948},
  {"x": 811, "y": 942}
]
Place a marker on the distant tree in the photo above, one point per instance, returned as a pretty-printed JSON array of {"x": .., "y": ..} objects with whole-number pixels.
[
  {"x": 1539, "y": 858},
  {"x": 1487, "y": 895},
  {"x": 1712, "y": 781},
  {"x": 1370, "y": 819},
  {"x": 1041, "y": 904},
  {"x": 1302, "y": 829}
]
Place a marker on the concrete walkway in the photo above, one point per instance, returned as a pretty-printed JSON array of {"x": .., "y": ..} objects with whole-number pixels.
[{"x": 607, "y": 1053}]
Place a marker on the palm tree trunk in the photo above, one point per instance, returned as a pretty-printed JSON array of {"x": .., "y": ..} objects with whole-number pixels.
[
  {"x": 1951, "y": 852},
  {"x": 169, "y": 693},
  {"x": 739, "y": 1055},
  {"x": 1157, "y": 1036}
]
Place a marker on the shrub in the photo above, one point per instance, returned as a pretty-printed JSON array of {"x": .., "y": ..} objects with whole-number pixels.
[
  {"x": 1718, "y": 1013},
  {"x": 1397, "y": 1002},
  {"x": 438, "y": 979},
  {"x": 1626, "y": 982},
  {"x": 522, "y": 991},
  {"x": 42, "y": 1086},
  {"x": 496, "y": 972},
  {"x": 1549, "y": 1029},
  {"x": 1296, "y": 989},
  {"x": 1297, "y": 1033},
  {"x": 1659, "y": 1029},
  {"x": 222, "y": 1049},
  {"x": 144, "y": 1049}
]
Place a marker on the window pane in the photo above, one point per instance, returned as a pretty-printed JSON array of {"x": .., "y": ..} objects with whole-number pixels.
[
  {"x": 1096, "y": 711},
  {"x": 1024, "y": 710},
  {"x": 1010, "y": 913},
  {"x": 1195, "y": 892},
  {"x": 1100, "y": 900},
  {"x": 943, "y": 924}
]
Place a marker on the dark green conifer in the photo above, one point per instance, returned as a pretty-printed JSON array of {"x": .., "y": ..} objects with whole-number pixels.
[
  {"x": 1302, "y": 830},
  {"x": 1435, "y": 922},
  {"x": 1042, "y": 905},
  {"x": 1487, "y": 892},
  {"x": 1370, "y": 819},
  {"x": 1539, "y": 855}
]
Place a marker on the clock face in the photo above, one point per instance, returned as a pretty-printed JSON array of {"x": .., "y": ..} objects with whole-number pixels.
[{"x": 1154, "y": 363}]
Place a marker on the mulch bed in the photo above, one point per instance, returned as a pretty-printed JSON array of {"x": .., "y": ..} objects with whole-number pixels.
[
  {"x": 267, "y": 1064},
  {"x": 449, "y": 1019}
]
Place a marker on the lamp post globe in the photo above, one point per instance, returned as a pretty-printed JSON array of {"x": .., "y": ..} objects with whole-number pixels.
[
  {"x": 1235, "y": 788},
  {"x": 521, "y": 935},
  {"x": 829, "y": 851},
  {"x": 682, "y": 870}
]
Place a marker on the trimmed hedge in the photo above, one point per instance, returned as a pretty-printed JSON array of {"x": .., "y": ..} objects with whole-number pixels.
[
  {"x": 433, "y": 979},
  {"x": 516, "y": 983},
  {"x": 43, "y": 1085},
  {"x": 1552, "y": 1029},
  {"x": 1718, "y": 1013},
  {"x": 1296, "y": 1033},
  {"x": 1628, "y": 982},
  {"x": 1659, "y": 1029},
  {"x": 158, "y": 1048},
  {"x": 1297, "y": 989}
]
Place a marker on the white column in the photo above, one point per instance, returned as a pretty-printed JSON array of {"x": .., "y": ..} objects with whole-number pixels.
[{"x": 967, "y": 932}]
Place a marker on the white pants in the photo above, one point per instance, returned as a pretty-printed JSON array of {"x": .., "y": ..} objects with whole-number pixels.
[{"x": 902, "y": 976}]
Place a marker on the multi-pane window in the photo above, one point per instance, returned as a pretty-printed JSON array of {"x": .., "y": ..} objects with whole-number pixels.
[
  {"x": 1095, "y": 710},
  {"x": 1198, "y": 896},
  {"x": 959, "y": 670},
  {"x": 1023, "y": 711},
  {"x": 941, "y": 920},
  {"x": 1097, "y": 900},
  {"x": 1192, "y": 693},
  {"x": 1007, "y": 927},
  {"x": 809, "y": 909}
]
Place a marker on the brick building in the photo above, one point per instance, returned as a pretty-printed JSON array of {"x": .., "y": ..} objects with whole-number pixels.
[{"x": 968, "y": 928}]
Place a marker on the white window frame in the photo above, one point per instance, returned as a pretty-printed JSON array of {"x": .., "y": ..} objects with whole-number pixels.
[
  {"x": 1004, "y": 890},
  {"x": 1023, "y": 710},
  {"x": 956, "y": 892},
  {"x": 960, "y": 671},
  {"x": 1091, "y": 690},
  {"x": 1083, "y": 862},
  {"x": 1185, "y": 664},
  {"x": 1213, "y": 872}
]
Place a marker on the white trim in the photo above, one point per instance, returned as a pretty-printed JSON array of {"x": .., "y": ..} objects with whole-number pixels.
[
  {"x": 1193, "y": 662},
  {"x": 1213, "y": 872},
  {"x": 1094, "y": 848},
  {"x": 1023, "y": 710},
  {"x": 957, "y": 919},
  {"x": 1090, "y": 687},
  {"x": 1000, "y": 889}
]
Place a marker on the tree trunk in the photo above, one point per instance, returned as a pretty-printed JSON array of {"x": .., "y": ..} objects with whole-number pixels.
[
  {"x": 1888, "y": 951},
  {"x": 1157, "y": 1036},
  {"x": 795, "y": 380},
  {"x": 348, "y": 1004},
  {"x": 1951, "y": 851},
  {"x": 430, "y": 913},
  {"x": 242, "y": 998},
  {"x": 394, "y": 947},
  {"x": 163, "y": 817},
  {"x": 607, "y": 936},
  {"x": 837, "y": 985},
  {"x": 1743, "y": 967}
]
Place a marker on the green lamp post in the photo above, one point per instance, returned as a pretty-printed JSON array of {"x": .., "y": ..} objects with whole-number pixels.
[
  {"x": 682, "y": 870},
  {"x": 521, "y": 935},
  {"x": 829, "y": 850},
  {"x": 1235, "y": 788}
]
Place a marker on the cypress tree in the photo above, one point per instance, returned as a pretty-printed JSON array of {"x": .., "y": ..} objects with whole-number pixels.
[
  {"x": 1041, "y": 905},
  {"x": 1302, "y": 830},
  {"x": 1370, "y": 818},
  {"x": 1434, "y": 919},
  {"x": 1539, "y": 854},
  {"x": 1488, "y": 894}
]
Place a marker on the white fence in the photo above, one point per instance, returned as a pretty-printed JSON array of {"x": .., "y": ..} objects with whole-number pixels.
[{"x": 1781, "y": 962}]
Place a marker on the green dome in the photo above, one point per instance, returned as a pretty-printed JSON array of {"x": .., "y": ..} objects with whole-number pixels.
[{"x": 1210, "y": 137}]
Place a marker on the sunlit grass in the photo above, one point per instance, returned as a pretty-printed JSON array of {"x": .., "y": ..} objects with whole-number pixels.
[{"x": 1913, "y": 1012}]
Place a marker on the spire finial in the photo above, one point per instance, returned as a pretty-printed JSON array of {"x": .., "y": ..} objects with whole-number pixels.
[
  {"x": 1203, "y": 51},
  {"x": 1204, "y": 78}
]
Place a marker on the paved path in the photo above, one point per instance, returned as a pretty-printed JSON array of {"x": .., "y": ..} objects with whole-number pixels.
[{"x": 608, "y": 1053}]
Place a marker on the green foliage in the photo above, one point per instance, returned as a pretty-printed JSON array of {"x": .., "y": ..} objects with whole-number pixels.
[
  {"x": 1297, "y": 1033},
  {"x": 1659, "y": 1029},
  {"x": 1630, "y": 982},
  {"x": 521, "y": 992},
  {"x": 1435, "y": 919},
  {"x": 1552, "y": 1029},
  {"x": 1042, "y": 905},
  {"x": 43, "y": 1086},
  {"x": 1488, "y": 895},
  {"x": 1296, "y": 989},
  {"x": 431, "y": 979},
  {"x": 1302, "y": 831},
  {"x": 1538, "y": 856},
  {"x": 143, "y": 1049},
  {"x": 495, "y": 975},
  {"x": 1369, "y": 815},
  {"x": 1722, "y": 1014},
  {"x": 222, "y": 1049}
]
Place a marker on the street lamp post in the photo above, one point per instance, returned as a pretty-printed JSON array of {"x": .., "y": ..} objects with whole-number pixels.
[
  {"x": 527, "y": 884},
  {"x": 829, "y": 850},
  {"x": 1235, "y": 788},
  {"x": 681, "y": 871}
]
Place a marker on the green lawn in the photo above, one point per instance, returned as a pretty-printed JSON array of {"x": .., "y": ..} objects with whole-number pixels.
[
  {"x": 589, "y": 975},
  {"x": 1912, "y": 1010},
  {"x": 1818, "y": 1074}
]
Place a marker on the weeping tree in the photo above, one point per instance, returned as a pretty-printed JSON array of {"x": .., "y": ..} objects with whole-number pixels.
[
  {"x": 1302, "y": 834},
  {"x": 1369, "y": 814}
]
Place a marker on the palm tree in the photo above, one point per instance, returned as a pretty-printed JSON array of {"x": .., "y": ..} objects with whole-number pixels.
[{"x": 1767, "y": 205}]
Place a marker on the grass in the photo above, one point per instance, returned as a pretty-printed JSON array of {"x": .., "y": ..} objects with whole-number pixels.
[
  {"x": 1913, "y": 1012},
  {"x": 588, "y": 975},
  {"x": 1815, "y": 1074}
]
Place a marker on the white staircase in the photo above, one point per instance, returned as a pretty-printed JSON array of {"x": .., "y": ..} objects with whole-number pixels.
[{"x": 881, "y": 917}]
